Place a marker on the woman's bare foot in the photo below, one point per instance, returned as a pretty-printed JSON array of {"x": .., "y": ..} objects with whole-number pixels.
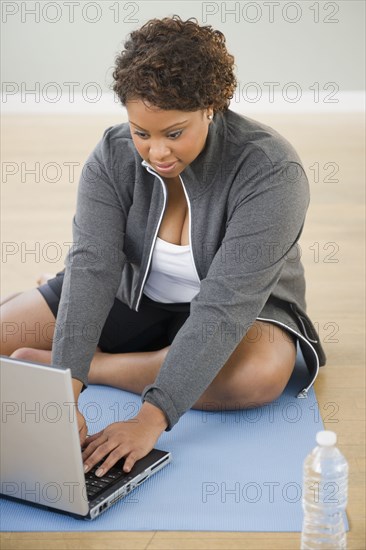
[
  {"x": 128, "y": 371},
  {"x": 31, "y": 354}
]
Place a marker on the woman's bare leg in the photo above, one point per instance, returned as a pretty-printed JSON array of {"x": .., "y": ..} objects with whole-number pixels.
[
  {"x": 9, "y": 297},
  {"x": 27, "y": 329},
  {"x": 256, "y": 373},
  {"x": 43, "y": 278},
  {"x": 128, "y": 371},
  {"x": 26, "y": 321}
]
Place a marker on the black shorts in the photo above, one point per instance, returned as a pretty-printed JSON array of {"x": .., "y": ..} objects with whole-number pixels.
[
  {"x": 156, "y": 324},
  {"x": 153, "y": 327}
]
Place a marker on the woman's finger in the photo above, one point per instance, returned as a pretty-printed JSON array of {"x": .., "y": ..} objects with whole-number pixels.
[
  {"x": 110, "y": 461},
  {"x": 91, "y": 446},
  {"x": 92, "y": 438},
  {"x": 130, "y": 461},
  {"x": 97, "y": 455}
]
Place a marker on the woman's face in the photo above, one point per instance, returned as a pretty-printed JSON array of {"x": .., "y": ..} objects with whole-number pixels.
[{"x": 168, "y": 140}]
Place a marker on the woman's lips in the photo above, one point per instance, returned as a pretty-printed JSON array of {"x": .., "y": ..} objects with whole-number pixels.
[{"x": 167, "y": 167}]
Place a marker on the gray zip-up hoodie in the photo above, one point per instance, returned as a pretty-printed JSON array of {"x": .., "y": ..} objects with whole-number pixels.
[{"x": 247, "y": 195}]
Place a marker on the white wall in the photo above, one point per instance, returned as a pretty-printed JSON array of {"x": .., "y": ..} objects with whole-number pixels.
[{"x": 291, "y": 55}]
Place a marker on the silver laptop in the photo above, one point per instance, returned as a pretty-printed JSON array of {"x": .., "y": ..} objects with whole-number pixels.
[{"x": 41, "y": 460}]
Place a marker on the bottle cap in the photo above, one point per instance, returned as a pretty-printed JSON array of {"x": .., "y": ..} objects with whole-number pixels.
[{"x": 326, "y": 438}]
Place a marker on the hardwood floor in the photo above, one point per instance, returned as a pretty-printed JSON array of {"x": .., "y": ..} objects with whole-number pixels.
[{"x": 36, "y": 230}]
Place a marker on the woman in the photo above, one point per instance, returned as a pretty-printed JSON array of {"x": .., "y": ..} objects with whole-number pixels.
[{"x": 184, "y": 282}]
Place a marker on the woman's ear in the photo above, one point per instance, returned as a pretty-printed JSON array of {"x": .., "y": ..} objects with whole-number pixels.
[{"x": 209, "y": 113}]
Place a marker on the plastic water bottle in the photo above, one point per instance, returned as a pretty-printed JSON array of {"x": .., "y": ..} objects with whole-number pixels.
[{"x": 324, "y": 497}]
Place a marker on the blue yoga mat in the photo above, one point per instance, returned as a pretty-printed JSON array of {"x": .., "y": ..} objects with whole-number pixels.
[{"x": 231, "y": 471}]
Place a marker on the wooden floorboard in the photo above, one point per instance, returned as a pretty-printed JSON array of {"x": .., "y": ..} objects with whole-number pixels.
[{"x": 37, "y": 214}]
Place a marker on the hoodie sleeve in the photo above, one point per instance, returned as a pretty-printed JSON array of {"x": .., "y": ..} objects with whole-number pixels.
[{"x": 93, "y": 265}]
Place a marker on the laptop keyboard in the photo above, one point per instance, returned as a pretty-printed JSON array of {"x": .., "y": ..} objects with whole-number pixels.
[{"x": 96, "y": 485}]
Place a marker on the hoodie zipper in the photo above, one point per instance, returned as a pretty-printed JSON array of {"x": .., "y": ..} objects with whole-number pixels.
[
  {"x": 190, "y": 228},
  {"x": 157, "y": 230},
  {"x": 155, "y": 235}
]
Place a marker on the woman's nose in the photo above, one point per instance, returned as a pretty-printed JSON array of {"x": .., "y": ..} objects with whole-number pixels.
[{"x": 159, "y": 150}]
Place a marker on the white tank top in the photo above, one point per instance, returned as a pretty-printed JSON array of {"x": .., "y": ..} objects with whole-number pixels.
[{"x": 172, "y": 277}]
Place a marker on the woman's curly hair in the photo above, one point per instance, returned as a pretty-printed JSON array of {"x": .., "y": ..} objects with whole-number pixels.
[{"x": 174, "y": 64}]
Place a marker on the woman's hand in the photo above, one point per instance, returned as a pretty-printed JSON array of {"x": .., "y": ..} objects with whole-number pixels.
[{"x": 132, "y": 439}]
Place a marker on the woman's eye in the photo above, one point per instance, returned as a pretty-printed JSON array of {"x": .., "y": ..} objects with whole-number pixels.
[
  {"x": 141, "y": 135},
  {"x": 175, "y": 135},
  {"x": 172, "y": 135}
]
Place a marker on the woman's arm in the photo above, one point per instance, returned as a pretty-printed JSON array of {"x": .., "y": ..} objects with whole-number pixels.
[
  {"x": 93, "y": 265},
  {"x": 269, "y": 217}
]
